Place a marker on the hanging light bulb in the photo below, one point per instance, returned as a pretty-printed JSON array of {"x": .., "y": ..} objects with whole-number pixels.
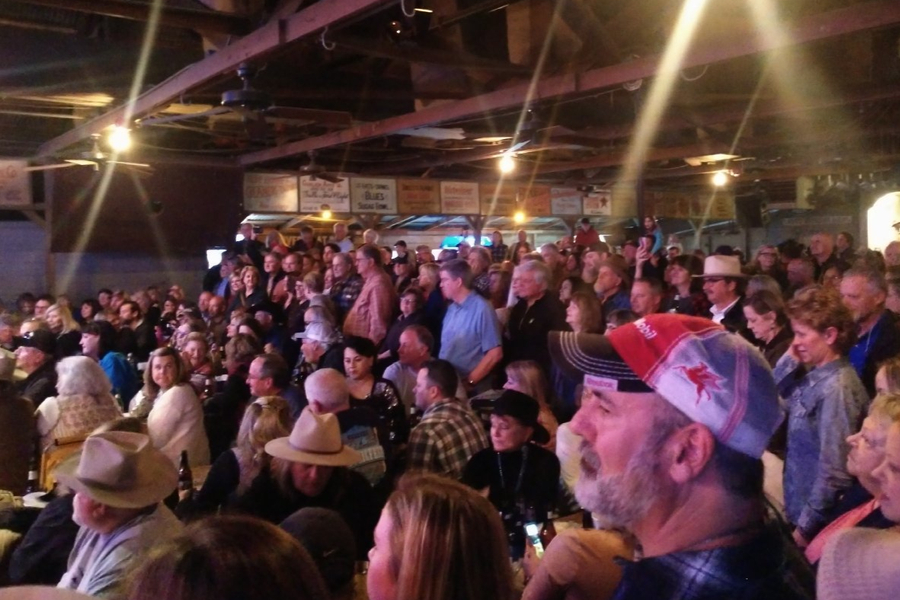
[
  {"x": 507, "y": 163},
  {"x": 720, "y": 178},
  {"x": 119, "y": 138},
  {"x": 326, "y": 211},
  {"x": 519, "y": 217}
]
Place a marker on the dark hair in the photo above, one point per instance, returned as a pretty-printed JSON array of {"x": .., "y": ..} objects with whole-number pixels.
[
  {"x": 334, "y": 247},
  {"x": 653, "y": 283},
  {"x": 371, "y": 251},
  {"x": 442, "y": 374},
  {"x": 417, "y": 293},
  {"x": 763, "y": 302},
  {"x": 422, "y": 334},
  {"x": 105, "y": 331},
  {"x": 241, "y": 349},
  {"x": 458, "y": 268},
  {"x": 274, "y": 366},
  {"x": 135, "y": 307},
  {"x": 227, "y": 558},
  {"x": 400, "y": 243},
  {"x": 104, "y": 291},
  {"x": 95, "y": 306},
  {"x": 849, "y": 237},
  {"x": 253, "y": 325},
  {"x": 360, "y": 345},
  {"x": 622, "y": 316}
]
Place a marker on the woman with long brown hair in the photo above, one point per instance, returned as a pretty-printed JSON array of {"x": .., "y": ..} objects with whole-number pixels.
[{"x": 439, "y": 540}]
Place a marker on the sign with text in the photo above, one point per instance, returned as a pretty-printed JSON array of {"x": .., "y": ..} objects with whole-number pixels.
[
  {"x": 418, "y": 197},
  {"x": 270, "y": 192},
  {"x": 459, "y": 198},
  {"x": 15, "y": 183},
  {"x": 371, "y": 195},
  {"x": 316, "y": 192},
  {"x": 598, "y": 203},
  {"x": 565, "y": 201},
  {"x": 535, "y": 200},
  {"x": 499, "y": 200}
]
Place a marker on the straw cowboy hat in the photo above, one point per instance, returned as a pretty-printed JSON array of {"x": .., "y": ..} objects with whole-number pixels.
[
  {"x": 40, "y": 592},
  {"x": 719, "y": 265},
  {"x": 120, "y": 469},
  {"x": 315, "y": 440}
]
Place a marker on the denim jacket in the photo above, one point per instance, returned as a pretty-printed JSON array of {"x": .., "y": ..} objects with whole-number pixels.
[{"x": 824, "y": 407}]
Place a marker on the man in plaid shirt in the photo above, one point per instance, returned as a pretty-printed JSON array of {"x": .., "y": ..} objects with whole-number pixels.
[
  {"x": 676, "y": 415},
  {"x": 346, "y": 286},
  {"x": 450, "y": 432}
]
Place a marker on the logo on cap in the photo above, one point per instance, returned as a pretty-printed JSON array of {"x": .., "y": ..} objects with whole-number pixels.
[{"x": 702, "y": 378}]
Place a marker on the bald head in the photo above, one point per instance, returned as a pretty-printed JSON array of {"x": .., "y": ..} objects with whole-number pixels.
[{"x": 327, "y": 391}]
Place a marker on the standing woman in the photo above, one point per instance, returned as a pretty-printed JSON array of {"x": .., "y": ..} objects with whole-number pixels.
[
  {"x": 252, "y": 293},
  {"x": 686, "y": 296},
  {"x": 768, "y": 322},
  {"x": 438, "y": 540},
  {"x": 68, "y": 333},
  {"x": 825, "y": 400},
  {"x": 526, "y": 376},
  {"x": 174, "y": 414},
  {"x": 584, "y": 314}
]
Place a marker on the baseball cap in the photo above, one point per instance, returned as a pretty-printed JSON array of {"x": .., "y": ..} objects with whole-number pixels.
[
  {"x": 525, "y": 409},
  {"x": 318, "y": 332},
  {"x": 696, "y": 365},
  {"x": 41, "y": 339}
]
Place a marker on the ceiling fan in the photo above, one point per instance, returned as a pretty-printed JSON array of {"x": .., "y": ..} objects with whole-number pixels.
[
  {"x": 95, "y": 157},
  {"x": 254, "y": 107},
  {"x": 316, "y": 171}
]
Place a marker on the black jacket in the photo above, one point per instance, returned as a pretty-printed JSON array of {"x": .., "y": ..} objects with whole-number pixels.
[{"x": 40, "y": 385}]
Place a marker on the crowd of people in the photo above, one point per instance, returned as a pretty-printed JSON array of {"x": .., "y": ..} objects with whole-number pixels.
[{"x": 697, "y": 426}]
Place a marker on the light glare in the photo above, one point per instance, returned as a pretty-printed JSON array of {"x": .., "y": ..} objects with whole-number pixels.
[
  {"x": 120, "y": 138},
  {"x": 506, "y": 164}
]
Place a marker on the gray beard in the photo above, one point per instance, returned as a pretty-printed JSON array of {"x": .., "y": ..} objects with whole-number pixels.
[{"x": 621, "y": 501}]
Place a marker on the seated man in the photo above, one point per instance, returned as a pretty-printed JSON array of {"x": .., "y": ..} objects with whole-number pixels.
[
  {"x": 17, "y": 430},
  {"x": 312, "y": 470},
  {"x": 269, "y": 376},
  {"x": 35, "y": 356},
  {"x": 676, "y": 415},
  {"x": 328, "y": 393},
  {"x": 119, "y": 482}
]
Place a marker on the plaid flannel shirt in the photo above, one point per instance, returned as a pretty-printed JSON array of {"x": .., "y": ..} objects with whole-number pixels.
[
  {"x": 768, "y": 567},
  {"x": 446, "y": 438},
  {"x": 345, "y": 292}
]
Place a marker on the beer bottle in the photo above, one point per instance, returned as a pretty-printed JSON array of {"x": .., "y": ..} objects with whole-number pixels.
[
  {"x": 185, "y": 477},
  {"x": 33, "y": 484}
]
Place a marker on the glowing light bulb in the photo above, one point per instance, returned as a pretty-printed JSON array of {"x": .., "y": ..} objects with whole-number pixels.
[
  {"x": 519, "y": 217},
  {"x": 119, "y": 138},
  {"x": 326, "y": 211},
  {"x": 720, "y": 178},
  {"x": 506, "y": 164}
]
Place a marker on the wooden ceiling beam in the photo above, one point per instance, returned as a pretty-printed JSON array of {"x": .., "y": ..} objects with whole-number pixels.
[
  {"x": 853, "y": 19},
  {"x": 307, "y": 22},
  {"x": 199, "y": 20}
]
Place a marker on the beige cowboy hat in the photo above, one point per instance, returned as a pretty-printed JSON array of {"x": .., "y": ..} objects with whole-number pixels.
[
  {"x": 315, "y": 440},
  {"x": 40, "y": 592},
  {"x": 719, "y": 265},
  {"x": 120, "y": 469}
]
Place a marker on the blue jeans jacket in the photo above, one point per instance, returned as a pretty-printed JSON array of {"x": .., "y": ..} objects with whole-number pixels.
[{"x": 824, "y": 406}]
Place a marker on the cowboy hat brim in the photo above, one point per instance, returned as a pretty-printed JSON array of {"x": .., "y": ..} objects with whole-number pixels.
[
  {"x": 282, "y": 448},
  {"x": 157, "y": 479}
]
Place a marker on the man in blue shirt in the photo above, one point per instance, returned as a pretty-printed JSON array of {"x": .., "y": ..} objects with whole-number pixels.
[{"x": 470, "y": 338}]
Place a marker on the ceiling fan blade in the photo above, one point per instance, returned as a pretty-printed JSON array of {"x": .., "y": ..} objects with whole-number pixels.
[
  {"x": 337, "y": 118},
  {"x": 184, "y": 117},
  {"x": 82, "y": 162},
  {"x": 128, "y": 164},
  {"x": 64, "y": 165}
]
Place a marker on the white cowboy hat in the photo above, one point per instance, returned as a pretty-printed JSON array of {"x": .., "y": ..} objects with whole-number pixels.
[
  {"x": 315, "y": 440},
  {"x": 719, "y": 265},
  {"x": 120, "y": 469}
]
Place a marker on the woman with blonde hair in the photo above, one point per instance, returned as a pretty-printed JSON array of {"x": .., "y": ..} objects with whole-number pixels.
[
  {"x": 527, "y": 377},
  {"x": 174, "y": 414},
  {"x": 83, "y": 402},
  {"x": 265, "y": 419},
  {"x": 439, "y": 540},
  {"x": 68, "y": 335}
]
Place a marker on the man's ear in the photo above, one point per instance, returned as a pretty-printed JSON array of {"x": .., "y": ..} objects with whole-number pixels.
[{"x": 689, "y": 450}]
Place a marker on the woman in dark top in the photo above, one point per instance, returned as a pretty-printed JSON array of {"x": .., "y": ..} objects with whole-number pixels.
[
  {"x": 68, "y": 335},
  {"x": 252, "y": 294},
  {"x": 685, "y": 296},
  {"x": 768, "y": 322},
  {"x": 522, "y": 479},
  {"x": 378, "y": 394},
  {"x": 412, "y": 302}
]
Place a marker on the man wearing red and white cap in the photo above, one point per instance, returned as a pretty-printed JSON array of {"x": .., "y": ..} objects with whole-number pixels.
[{"x": 675, "y": 418}]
